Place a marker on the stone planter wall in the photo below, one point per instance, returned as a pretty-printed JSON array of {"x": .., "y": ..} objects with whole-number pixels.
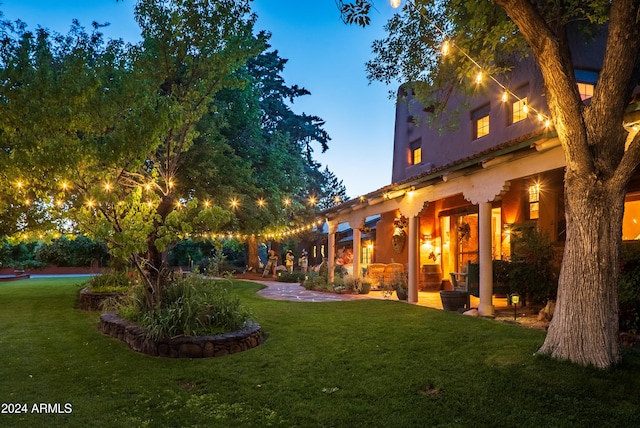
[
  {"x": 90, "y": 301},
  {"x": 184, "y": 346}
]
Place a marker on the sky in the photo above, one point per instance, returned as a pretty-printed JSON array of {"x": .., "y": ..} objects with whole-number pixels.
[{"x": 324, "y": 56}]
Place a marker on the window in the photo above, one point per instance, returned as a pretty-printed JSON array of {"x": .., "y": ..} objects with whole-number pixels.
[
  {"x": 416, "y": 155},
  {"x": 480, "y": 119},
  {"x": 534, "y": 201},
  {"x": 631, "y": 219},
  {"x": 519, "y": 110},
  {"x": 586, "y": 82},
  {"x": 586, "y": 90},
  {"x": 367, "y": 253},
  {"x": 415, "y": 152}
]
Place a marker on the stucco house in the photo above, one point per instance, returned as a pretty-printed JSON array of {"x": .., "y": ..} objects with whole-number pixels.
[{"x": 455, "y": 195}]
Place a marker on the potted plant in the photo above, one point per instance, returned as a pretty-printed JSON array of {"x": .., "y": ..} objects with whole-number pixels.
[
  {"x": 401, "y": 285},
  {"x": 365, "y": 287}
]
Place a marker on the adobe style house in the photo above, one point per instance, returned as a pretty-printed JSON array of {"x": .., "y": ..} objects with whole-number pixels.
[{"x": 455, "y": 196}]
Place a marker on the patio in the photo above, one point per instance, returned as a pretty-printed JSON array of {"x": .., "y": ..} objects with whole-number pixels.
[{"x": 275, "y": 290}]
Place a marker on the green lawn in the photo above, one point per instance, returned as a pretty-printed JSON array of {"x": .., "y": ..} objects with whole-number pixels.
[{"x": 368, "y": 363}]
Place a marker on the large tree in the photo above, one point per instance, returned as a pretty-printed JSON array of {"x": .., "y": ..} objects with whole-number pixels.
[
  {"x": 601, "y": 153},
  {"x": 100, "y": 132},
  {"x": 146, "y": 144}
]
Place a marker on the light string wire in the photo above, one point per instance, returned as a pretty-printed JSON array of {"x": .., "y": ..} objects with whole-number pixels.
[
  {"x": 94, "y": 205},
  {"x": 541, "y": 116}
]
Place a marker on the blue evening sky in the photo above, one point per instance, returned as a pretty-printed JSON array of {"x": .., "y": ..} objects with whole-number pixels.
[{"x": 325, "y": 56}]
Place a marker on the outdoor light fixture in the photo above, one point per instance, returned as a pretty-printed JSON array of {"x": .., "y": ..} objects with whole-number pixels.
[{"x": 515, "y": 298}]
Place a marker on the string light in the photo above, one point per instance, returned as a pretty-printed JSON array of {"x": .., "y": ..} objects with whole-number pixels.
[
  {"x": 445, "y": 49},
  {"x": 479, "y": 78},
  {"x": 261, "y": 203},
  {"x": 395, "y": 3}
]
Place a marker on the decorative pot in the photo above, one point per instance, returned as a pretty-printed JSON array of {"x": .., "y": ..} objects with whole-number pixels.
[
  {"x": 402, "y": 293},
  {"x": 453, "y": 300}
]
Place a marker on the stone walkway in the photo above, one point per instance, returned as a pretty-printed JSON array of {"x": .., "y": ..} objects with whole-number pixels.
[{"x": 293, "y": 291}]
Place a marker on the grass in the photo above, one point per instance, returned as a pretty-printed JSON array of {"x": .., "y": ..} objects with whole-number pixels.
[{"x": 365, "y": 363}]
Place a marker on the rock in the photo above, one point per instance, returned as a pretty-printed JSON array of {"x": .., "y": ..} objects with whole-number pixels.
[{"x": 471, "y": 312}]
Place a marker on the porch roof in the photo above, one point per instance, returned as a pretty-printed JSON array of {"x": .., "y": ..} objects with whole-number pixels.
[{"x": 522, "y": 144}]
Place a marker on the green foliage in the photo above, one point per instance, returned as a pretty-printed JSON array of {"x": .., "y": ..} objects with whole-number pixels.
[
  {"x": 296, "y": 276},
  {"x": 192, "y": 306},
  {"x": 21, "y": 255},
  {"x": 113, "y": 282},
  {"x": 81, "y": 251},
  {"x": 629, "y": 289},
  {"x": 533, "y": 274}
]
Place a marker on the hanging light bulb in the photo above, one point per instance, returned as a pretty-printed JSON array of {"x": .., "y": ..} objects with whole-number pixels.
[
  {"x": 525, "y": 108},
  {"x": 505, "y": 96},
  {"x": 479, "y": 78},
  {"x": 395, "y": 3},
  {"x": 445, "y": 48}
]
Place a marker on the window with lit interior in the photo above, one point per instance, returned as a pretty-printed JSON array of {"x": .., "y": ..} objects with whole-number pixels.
[
  {"x": 586, "y": 82},
  {"x": 586, "y": 90},
  {"x": 519, "y": 110},
  {"x": 481, "y": 122},
  {"x": 415, "y": 152},
  {"x": 534, "y": 201}
]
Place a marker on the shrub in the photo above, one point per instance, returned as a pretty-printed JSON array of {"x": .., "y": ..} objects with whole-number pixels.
[
  {"x": 112, "y": 282},
  {"x": 532, "y": 272},
  {"x": 192, "y": 306},
  {"x": 629, "y": 290},
  {"x": 291, "y": 277}
]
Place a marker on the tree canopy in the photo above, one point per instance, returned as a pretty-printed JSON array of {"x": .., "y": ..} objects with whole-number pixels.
[{"x": 144, "y": 144}]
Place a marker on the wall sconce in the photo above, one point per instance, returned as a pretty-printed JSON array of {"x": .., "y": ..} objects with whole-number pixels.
[
  {"x": 507, "y": 228},
  {"x": 426, "y": 240}
]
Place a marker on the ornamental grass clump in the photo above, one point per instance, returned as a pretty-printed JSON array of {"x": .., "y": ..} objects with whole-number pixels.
[
  {"x": 112, "y": 282},
  {"x": 192, "y": 306}
]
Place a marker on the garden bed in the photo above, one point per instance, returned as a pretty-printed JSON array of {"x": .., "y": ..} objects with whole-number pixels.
[{"x": 182, "y": 346}]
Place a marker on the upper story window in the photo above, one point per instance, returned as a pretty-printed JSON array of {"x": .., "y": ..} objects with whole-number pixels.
[
  {"x": 519, "y": 105},
  {"x": 519, "y": 110},
  {"x": 415, "y": 152},
  {"x": 481, "y": 122},
  {"x": 586, "y": 90},
  {"x": 586, "y": 83}
]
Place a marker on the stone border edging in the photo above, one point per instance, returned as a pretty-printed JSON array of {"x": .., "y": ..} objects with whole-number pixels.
[
  {"x": 182, "y": 346},
  {"x": 91, "y": 301}
]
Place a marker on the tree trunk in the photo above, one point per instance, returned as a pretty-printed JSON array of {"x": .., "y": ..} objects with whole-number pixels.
[
  {"x": 584, "y": 328},
  {"x": 252, "y": 250}
]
